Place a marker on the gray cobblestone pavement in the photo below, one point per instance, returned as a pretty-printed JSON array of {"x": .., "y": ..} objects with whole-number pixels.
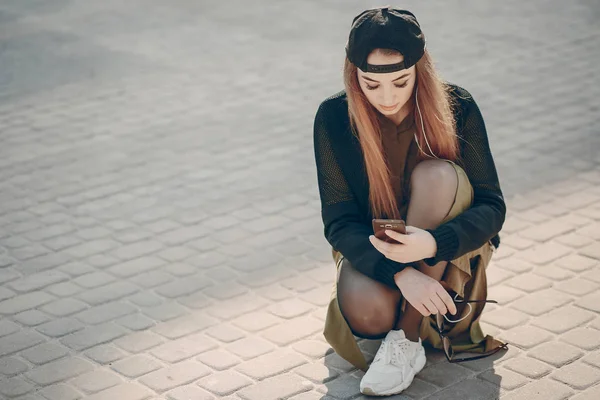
[{"x": 160, "y": 235}]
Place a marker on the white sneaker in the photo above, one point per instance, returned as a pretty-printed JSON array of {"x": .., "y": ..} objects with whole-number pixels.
[{"x": 395, "y": 365}]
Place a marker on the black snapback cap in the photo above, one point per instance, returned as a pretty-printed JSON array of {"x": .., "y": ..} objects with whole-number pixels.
[{"x": 385, "y": 27}]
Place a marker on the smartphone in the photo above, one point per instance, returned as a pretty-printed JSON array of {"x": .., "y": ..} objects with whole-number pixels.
[{"x": 380, "y": 225}]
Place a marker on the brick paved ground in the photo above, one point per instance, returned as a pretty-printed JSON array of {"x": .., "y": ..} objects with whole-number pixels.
[{"x": 160, "y": 235}]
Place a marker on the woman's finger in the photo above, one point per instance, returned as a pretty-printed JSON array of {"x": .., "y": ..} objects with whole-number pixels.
[
  {"x": 402, "y": 238},
  {"x": 439, "y": 304},
  {"x": 420, "y": 308},
  {"x": 427, "y": 303},
  {"x": 447, "y": 299}
]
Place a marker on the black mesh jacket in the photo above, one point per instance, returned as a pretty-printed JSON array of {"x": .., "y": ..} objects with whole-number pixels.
[{"x": 344, "y": 189}]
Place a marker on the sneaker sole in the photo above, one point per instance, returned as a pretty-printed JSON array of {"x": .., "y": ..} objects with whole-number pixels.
[{"x": 417, "y": 368}]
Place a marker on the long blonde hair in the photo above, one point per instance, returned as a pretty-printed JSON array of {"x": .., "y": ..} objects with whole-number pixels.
[{"x": 435, "y": 105}]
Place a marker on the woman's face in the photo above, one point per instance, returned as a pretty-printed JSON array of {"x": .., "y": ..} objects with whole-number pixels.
[{"x": 387, "y": 92}]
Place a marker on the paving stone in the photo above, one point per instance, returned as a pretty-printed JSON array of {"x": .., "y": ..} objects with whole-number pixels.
[
  {"x": 513, "y": 264},
  {"x": 504, "y": 318},
  {"x": 105, "y": 312},
  {"x": 592, "y": 250},
  {"x": 10, "y": 366},
  {"x": 110, "y": 292},
  {"x": 224, "y": 383},
  {"x": 63, "y": 289},
  {"x": 529, "y": 282},
  {"x": 19, "y": 341},
  {"x": 589, "y": 394},
  {"x": 317, "y": 372},
  {"x": 92, "y": 336},
  {"x": 185, "y": 325},
  {"x": 593, "y": 358},
  {"x": 229, "y": 309},
  {"x": 179, "y": 374},
  {"x": 95, "y": 381},
  {"x": 183, "y": 348},
  {"x": 577, "y": 375},
  {"x": 182, "y": 287},
  {"x": 278, "y": 387},
  {"x": 290, "y": 308},
  {"x": 225, "y": 333},
  {"x": 195, "y": 301},
  {"x": 136, "y": 250},
  {"x": 504, "y": 378},
  {"x": 94, "y": 279},
  {"x": 136, "y": 322},
  {"x": 293, "y": 330},
  {"x": 526, "y": 336},
  {"x": 466, "y": 388},
  {"x": 165, "y": 311},
  {"x": 544, "y": 253},
  {"x": 443, "y": 374},
  {"x": 60, "y": 327},
  {"x": 256, "y": 321},
  {"x": 136, "y": 365},
  {"x": 576, "y": 262},
  {"x": 37, "y": 281},
  {"x": 136, "y": 266},
  {"x": 577, "y": 287},
  {"x": 60, "y": 392},
  {"x": 151, "y": 279},
  {"x": 104, "y": 354},
  {"x": 31, "y": 318},
  {"x": 44, "y": 353},
  {"x": 231, "y": 291},
  {"x": 91, "y": 247},
  {"x": 270, "y": 364},
  {"x": 562, "y": 319},
  {"x": 542, "y": 389},
  {"x": 16, "y": 386},
  {"x": 139, "y": 341},
  {"x": 24, "y": 302},
  {"x": 590, "y": 302},
  {"x": 312, "y": 348},
  {"x": 584, "y": 338},
  {"x": 189, "y": 392},
  {"x": 250, "y": 347},
  {"x": 76, "y": 268},
  {"x": 64, "y": 307},
  {"x": 218, "y": 359},
  {"x": 504, "y": 294},
  {"x": 8, "y": 327},
  {"x": 556, "y": 353},
  {"x": 59, "y": 370},
  {"x": 129, "y": 391},
  {"x": 546, "y": 231},
  {"x": 541, "y": 302}
]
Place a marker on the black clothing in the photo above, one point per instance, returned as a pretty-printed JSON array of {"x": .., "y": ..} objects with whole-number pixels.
[{"x": 344, "y": 189}]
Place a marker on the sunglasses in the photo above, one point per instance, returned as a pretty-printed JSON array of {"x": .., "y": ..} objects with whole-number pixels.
[{"x": 447, "y": 345}]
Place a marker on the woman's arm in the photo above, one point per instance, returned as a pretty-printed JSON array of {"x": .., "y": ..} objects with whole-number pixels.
[
  {"x": 344, "y": 228},
  {"x": 484, "y": 219}
]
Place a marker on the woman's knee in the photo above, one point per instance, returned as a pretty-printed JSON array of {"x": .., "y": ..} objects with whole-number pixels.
[
  {"x": 436, "y": 177},
  {"x": 370, "y": 308}
]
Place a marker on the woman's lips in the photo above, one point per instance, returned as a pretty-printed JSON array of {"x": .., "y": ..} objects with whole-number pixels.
[{"x": 388, "y": 108}]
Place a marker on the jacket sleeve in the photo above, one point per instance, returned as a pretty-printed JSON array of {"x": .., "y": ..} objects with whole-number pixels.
[
  {"x": 484, "y": 219},
  {"x": 344, "y": 228}
]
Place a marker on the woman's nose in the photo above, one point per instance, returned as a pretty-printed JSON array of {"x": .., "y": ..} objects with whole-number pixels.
[{"x": 387, "y": 98}]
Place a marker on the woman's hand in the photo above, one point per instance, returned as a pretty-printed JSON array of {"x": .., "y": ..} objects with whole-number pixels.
[
  {"x": 416, "y": 245},
  {"x": 424, "y": 293}
]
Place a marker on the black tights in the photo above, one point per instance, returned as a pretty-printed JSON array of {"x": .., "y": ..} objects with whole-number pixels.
[{"x": 370, "y": 308}]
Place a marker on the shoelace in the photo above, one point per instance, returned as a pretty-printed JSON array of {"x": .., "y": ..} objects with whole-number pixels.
[{"x": 389, "y": 350}]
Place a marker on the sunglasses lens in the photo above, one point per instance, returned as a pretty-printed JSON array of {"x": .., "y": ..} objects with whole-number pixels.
[{"x": 447, "y": 347}]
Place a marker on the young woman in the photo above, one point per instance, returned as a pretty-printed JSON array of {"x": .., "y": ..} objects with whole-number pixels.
[{"x": 400, "y": 143}]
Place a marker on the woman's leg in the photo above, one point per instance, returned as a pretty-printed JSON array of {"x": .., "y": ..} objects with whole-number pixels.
[
  {"x": 369, "y": 307},
  {"x": 433, "y": 189}
]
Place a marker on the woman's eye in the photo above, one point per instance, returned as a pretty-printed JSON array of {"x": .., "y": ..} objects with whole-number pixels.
[{"x": 375, "y": 87}]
